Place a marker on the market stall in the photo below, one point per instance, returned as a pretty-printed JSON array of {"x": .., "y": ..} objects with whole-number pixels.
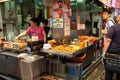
[
  {"x": 15, "y": 60},
  {"x": 75, "y": 59}
]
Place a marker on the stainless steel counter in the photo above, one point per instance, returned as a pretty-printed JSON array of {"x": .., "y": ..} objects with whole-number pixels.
[
  {"x": 68, "y": 55},
  {"x": 10, "y": 63},
  {"x": 8, "y": 53}
]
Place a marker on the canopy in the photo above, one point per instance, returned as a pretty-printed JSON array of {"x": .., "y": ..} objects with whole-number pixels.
[{"x": 111, "y": 3}]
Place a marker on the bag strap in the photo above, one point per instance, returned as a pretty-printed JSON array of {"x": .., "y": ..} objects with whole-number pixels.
[{"x": 112, "y": 21}]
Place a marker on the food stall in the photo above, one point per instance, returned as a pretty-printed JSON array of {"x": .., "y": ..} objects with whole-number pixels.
[
  {"x": 15, "y": 60},
  {"x": 77, "y": 57},
  {"x": 63, "y": 60}
]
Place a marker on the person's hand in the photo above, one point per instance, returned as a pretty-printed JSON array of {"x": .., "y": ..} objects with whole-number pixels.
[
  {"x": 103, "y": 55},
  {"x": 45, "y": 42},
  {"x": 104, "y": 32},
  {"x": 16, "y": 38}
]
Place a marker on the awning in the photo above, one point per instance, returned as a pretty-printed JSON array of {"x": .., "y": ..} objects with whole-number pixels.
[
  {"x": 111, "y": 3},
  {"x": 4, "y": 0}
]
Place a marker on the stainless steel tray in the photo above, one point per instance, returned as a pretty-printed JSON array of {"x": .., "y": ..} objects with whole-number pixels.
[
  {"x": 14, "y": 50},
  {"x": 51, "y": 52}
]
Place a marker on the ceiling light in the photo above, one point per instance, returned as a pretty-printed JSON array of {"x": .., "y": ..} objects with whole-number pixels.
[
  {"x": 4, "y": 0},
  {"x": 80, "y": 1}
]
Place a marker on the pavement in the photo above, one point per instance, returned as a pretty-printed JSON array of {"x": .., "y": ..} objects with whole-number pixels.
[
  {"x": 97, "y": 74},
  {"x": 5, "y": 77}
]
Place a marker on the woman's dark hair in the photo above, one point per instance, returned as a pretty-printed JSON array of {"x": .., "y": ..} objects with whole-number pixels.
[
  {"x": 45, "y": 21},
  {"x": 40, "y": 16},
  {"x": 34, "y": 20},
  {"x": 88, "y": 23}
]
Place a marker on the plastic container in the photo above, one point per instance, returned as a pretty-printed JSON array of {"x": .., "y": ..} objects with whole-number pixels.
[
  {"x": 29, "y": 50},
  {"x": 75, "y": 72},
  {"x": 29, "y": 54}
]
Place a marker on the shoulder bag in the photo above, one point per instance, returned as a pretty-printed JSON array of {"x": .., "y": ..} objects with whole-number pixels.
[{"x": 112, "y": 62}]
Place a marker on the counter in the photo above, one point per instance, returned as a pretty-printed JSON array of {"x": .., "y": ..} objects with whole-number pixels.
[
  {"x": 93, "y": 52},
  {"x": 69, "y": 55},
  {"x": 10, "y": 64}
]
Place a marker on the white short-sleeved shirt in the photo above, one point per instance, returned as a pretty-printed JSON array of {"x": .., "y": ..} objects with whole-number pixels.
[{"x": 109, "y": 23}]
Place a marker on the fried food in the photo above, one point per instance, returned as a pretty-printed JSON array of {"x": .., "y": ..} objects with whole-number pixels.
[
  {"x": 66, "y": 49},
  {"x": 17, "y": 44}
]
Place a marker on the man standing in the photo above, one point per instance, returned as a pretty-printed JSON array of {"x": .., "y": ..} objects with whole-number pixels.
[
  {"x": 109, "y": 21},
  {"x": 112, "y": 46}
]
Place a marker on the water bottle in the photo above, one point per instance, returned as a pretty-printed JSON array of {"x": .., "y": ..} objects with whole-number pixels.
[
  {"x": 29, "y": 50},
  {"x": 29, "y": 53}
]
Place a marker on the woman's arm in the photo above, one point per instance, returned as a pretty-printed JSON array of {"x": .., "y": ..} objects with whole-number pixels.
[
  {"x": 21, "y": 35},
  {"x": 44, "y": 34},
  {"x": 104, "y": 32}
]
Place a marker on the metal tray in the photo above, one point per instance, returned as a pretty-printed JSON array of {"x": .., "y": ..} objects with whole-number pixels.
[
  {"x": 50, "y": 52},
  {"x": 14, "y": 50}
]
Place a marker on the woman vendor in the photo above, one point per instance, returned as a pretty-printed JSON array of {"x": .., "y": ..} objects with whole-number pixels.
[{"x": 34, "y": 30}]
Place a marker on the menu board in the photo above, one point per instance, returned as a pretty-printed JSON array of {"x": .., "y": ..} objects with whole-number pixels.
[{"x": 58, "y": 23}]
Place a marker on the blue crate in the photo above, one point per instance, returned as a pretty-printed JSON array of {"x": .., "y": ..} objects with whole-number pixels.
[{"x": 74, "y": 71}]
